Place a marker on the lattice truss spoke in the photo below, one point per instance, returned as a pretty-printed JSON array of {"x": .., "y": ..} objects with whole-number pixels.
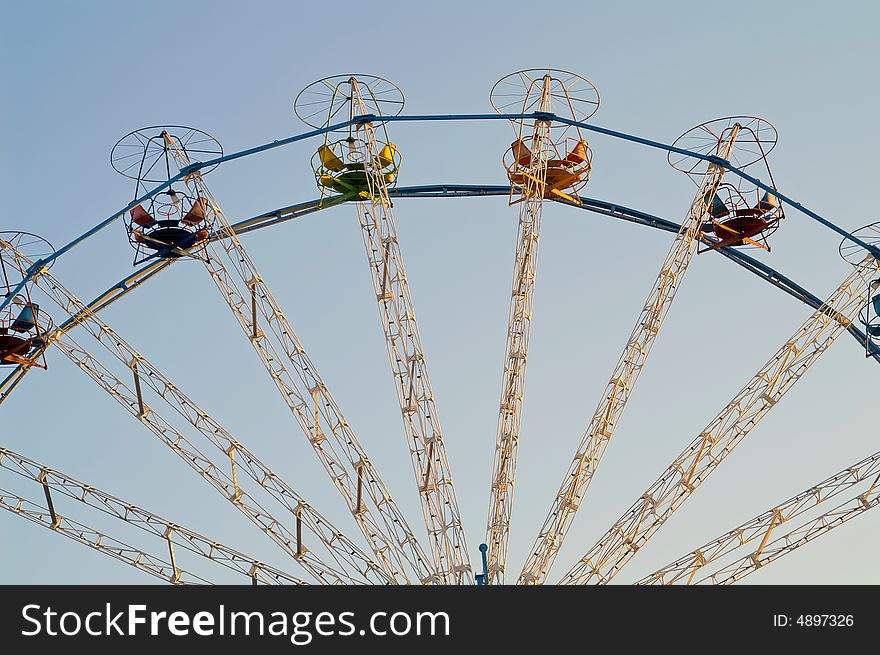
[
  {"x": 543, "y": 162},
  {"x": 367, "y": 167},
  {"x": 55, "y": 483},
  {"x": 117, "y": 291},
  {"x": 410, "y": 370},
  {"x": 83, "y": 534},
  {"x": 626, "y": 373},
  {"x": 131, "y": 282},
  {"x": 517, "y": 343},
  {"x": 319, "y": 416},
  {"x": 691, "y": 468},
  {"x": 776, "y": 531},
  {"x": 349, "y": 564}
]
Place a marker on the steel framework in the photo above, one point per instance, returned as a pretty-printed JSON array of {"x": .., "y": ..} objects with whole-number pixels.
[
  {"x": 172, "y": 533},
  {"x": 623, "y": 380},
  {"x": 324, "y": 552},
  {"x": 776, "y": 522},
  {"x": 319, "y": 416},
  {"x": 350, "y": 564},
  {"x": 691, "y": 468},
  {"x": 400, "y": 327},
  {"x": 535, "y": 161}
]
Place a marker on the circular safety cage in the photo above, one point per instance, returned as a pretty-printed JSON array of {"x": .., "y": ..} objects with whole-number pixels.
[
  {"x": 565, "y": 170},
  {"x": 739, "y": 215},
  {"x": 23, "y": 325},
  {"x": 146, "y": 155},
  {"x": 175, "y": 220},
  {"x": 735, "y": 212},
  {"x": 169, "y": 225},
  {"x": 548, "y": 159},
  {"x": 340, "y": 98}
]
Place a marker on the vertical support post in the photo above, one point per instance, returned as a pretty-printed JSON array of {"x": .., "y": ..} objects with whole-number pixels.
[
  {"x": 410, "y": 408},
  {"x": 315, "y": 397},
  {"x": 236, "y": 494},
  {"x": 55, "y": 520},
  {"x": 428, "y": 465},
  {"x": 383, "y": 294},
  {"x": 137, "y": 388},
  {"x": 864, "y": 497},
  {"x": 360, "y": 484},
  {"x": 254, "y": 330},
  {"x": 777, "y": 519},
  {"x": 706, "y": 437},
  {"x": 700, "y": 561},
  {"x": 175, "y": 577},
  {"x": 300, "y": 549}
]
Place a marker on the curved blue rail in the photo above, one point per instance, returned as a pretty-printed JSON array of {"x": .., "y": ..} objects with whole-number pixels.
[
  {"x": 614, "y": 210},
  {"x": 266, "y": 219},
  {"x": 440, "y": 118}
]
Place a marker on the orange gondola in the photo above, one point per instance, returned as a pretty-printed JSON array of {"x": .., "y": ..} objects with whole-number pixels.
[{"x": 564, "y": 175}]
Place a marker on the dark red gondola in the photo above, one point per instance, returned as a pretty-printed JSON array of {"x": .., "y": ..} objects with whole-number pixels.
[
  {"x": 172, "y": 225},
  {"x": 734, "y": 223}
]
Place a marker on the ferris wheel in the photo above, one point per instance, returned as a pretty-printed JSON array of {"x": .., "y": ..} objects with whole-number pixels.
[{"x": 174, "y": 216}]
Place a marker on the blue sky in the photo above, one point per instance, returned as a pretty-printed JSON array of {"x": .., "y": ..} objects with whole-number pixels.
[{"x": 78, "y": 76}]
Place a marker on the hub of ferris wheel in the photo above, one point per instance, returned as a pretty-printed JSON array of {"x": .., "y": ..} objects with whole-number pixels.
[
  {"x": 173, "y": 222},
  {"x": 24, "y": 327}
]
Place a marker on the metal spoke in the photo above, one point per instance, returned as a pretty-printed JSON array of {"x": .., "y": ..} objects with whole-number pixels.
[
  {"x": 172, "y": 533},
  {"x": 776, "y": 522},
  {"x": 307, "y": 396},
  {"x": 623, "y": 380},
  {"x": 690, "y": 469},
  {"x": 425, "y": 439}
]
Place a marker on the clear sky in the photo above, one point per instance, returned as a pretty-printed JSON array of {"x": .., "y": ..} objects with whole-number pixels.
[{"x": 78, "y": 76}]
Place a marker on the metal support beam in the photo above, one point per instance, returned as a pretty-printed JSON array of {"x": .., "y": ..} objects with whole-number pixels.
[
  {"x": 732, "y": 546},
  {"x": 623, "y": 380},
  {"x": 86, "y": 495},
  {"x": 691, "y": 468},
  {"x": 350, "y": 565},
  {"x": 295, "y": 376}
]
